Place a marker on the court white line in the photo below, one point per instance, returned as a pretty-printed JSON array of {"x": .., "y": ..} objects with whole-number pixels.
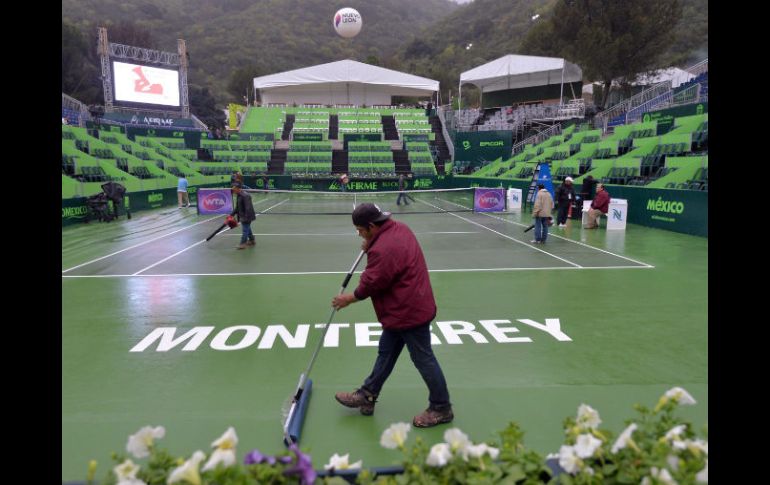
[
  {"x": 551, "y": 234},
  {"x": 308, "y": 273},
  {"x": 193, "y": 245},
  {"x": 501, "y": 234},
  {"x": 143, "y": 243},
  {"x": 136, "y": 245},
  {"x": 352, "y": 233}
]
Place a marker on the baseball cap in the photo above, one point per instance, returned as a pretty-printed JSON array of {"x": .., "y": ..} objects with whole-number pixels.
[
  {"x": 568, "y": 179},
  {"x": 367, "y": 213}
]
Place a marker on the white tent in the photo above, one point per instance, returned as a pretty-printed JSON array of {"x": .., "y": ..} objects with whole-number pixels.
[
  {"x": 674, "y": 74},
  {"x": 514, "y": 72},
  {"x": 342, "y": 82}
]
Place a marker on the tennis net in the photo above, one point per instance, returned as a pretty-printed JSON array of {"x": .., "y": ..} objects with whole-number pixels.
[{"x": 289, "y": 202}]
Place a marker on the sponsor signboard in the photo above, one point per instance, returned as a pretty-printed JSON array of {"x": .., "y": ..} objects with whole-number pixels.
[{"x": 489, "y": 200}]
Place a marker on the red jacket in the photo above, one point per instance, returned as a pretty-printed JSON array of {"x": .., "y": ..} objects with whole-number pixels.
[
  {"x": 601, "y": 201},
  {"x": 396, "y": 278}
]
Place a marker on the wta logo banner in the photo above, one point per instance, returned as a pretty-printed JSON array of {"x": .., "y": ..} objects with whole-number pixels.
[
  {"x": 489, "y": 200},
  {"x": 215, "y": 201}
]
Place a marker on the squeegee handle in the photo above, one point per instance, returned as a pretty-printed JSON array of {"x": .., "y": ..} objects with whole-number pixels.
[
  {"x": 352, "y": 270},
  {"x": 304, "y": 376}
]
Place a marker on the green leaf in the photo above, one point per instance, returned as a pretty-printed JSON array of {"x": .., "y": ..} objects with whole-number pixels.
[{"x": 516, "y": 472}]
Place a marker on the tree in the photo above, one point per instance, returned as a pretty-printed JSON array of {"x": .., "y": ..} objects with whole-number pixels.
[
  {"x": 608, "y": 39},
  {"x": 203, "y": 105},
  {"x": 129, "y": 33},
  {"x": 80, "y": 72},
  {"x": 241, "y": 82}
]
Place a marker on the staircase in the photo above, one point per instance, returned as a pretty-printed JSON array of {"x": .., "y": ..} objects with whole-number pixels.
[
  {"x": 401, "y": 161},
  {"x": 532, "y": 190},
  {"x": 389, "y": 128},
  {"x": 277, "y": 160},
  {"x": 339, "y": 161},
  {"x": 439, "y": 144},
  {"x": 287, "y": 127},
  {"x": 334, "y": 127}
]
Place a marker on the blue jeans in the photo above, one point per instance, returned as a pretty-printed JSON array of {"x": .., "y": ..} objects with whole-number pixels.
[
  {"x": 405, "y": 197},
  {"x": 417, "y": 340},
  {"x": 541, "y": 229},
  {"x": 246, "y": 234}
]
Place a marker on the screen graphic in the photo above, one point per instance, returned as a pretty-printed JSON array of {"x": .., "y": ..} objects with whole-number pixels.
[{"x": 144, "y": 84}]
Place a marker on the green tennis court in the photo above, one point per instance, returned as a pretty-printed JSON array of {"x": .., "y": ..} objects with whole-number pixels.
[{"x": 162, "y": 328}]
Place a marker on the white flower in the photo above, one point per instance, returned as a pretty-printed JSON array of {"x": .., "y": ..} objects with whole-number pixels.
[
  {"x": 568, "y": 460},
  {"x": 456, "y": 439},
  {"x": 188, "y": 471},
  {"x": 229, "y": 440},
  {"x": 624, "y": 437},
  {"x": 679, "y": 444},
  {"x": 126, "y": 470},
  {"x": 673, "y": 462},
  {"x": 675, "y": 432},
  {"x": 226, "y": 457},
  {"x": 680, "y": 396},
  {"x": 140, "y": 442},
  {"x": 225, "y": 450},
  {"x": 588, "y": 417},
  {"x": 477, "y": 451},
  {"x": 698, "y": 445},
  {"x": 338, "y": 462},
  {"x": 439, "y": 455},
  {"x": 395, "y": 436},
  {"x": 703, "y": 475},
  {"x": 662, "y": 476},
  {"x": 586, "y": 445}
]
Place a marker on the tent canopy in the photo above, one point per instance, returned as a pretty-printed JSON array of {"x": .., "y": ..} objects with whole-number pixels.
[
  {"x": 344, "y": 81},
  {"x": 514, "y": 72}
]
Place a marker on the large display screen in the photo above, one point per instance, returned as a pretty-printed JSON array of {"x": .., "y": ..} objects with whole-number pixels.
[{"x": 135, "y": 83}]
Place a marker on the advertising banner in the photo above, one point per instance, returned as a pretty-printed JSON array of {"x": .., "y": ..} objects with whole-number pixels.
[
  {"x": 215, "y": 201},
  {"x": 308, "y": 137},
  {"x": 477, "y": 147},
  {"x": 489, "y": 200},
  {"x": 665, "y": 117},
  {"x": 253, "y": 136},
  {"x": 514, "y": 200}
]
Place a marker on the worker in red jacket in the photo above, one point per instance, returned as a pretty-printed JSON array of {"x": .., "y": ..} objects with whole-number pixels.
[
  {"x": 599, "y": 206},
  {"x": 396, "y": 279}
]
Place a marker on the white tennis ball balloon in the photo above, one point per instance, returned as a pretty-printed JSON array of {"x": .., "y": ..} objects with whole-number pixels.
[{"x": 347, "y": 22}]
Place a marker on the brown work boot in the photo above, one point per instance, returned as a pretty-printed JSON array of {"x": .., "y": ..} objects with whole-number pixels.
[
  {"x": 430, "y": 418},
  {"x": 251, "y": 242},
  {"x": 360, "y": 399},
  {"x": 241, "y": 246}
]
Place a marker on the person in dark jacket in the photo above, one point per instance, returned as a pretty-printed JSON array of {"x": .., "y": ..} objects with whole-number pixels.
[
  {"x": 587, "y": 189},
  {"x": 565, "y": 196},
  {"x": 245, "y": 211},
  {"x": 396, "y": 278},
  {"x": 402, "y": 188}
]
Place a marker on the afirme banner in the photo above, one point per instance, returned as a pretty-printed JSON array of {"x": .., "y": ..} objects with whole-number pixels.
[
  {"x": 488, "y": 200},
  {"x": 479, "y": 146},
  {"x": 665, "y": 117},
  {"x": 141, "y": 119},
  {"x": 215, "y": 201}
]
